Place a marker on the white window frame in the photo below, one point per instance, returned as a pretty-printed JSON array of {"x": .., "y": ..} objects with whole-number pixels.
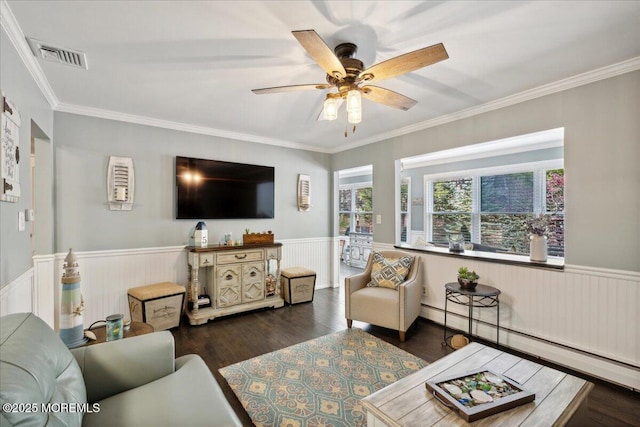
[
  {"x": 539, "y": 190},
  {"x": 407, "y": 212}
]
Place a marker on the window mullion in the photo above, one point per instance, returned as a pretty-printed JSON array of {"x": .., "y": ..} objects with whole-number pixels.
[
  {"x": 539, "y": 191},
  {"x": 475, "y": 209},
  {"x": 428, "y": 205}
]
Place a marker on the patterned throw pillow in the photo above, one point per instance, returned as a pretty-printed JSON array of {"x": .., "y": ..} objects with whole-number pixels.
[{"x": 389, "y": 272}]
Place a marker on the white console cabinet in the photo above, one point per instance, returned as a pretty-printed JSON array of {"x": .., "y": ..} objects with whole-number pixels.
[
  {"x": 239, "y": 278},
  {"x": 360, "y": 247}
]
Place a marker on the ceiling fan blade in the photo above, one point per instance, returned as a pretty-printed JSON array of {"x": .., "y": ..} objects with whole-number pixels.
[
  {"x": 404, "y": 63},
  {"x": 291, "y": 88},
  {"x": 388, "y": 97},
  {"x": 320, "y": 52}
]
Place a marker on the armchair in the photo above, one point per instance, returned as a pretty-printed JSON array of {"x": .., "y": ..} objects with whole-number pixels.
[
  {"x": 380, "y": 306},
  {"x": 131, "y": 382}
]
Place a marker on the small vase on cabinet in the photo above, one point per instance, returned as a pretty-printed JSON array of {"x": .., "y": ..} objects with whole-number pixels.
[{"x": 538, "y": 248}]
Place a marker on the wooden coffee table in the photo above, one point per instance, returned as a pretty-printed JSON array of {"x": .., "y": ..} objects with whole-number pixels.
[
  {"x": 407, "y": 402},
  {"x": 136, "y": 328}
]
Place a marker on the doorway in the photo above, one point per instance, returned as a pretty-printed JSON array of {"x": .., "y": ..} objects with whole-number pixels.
[
  {"x": 354, "y": 219},
  {"x": 41, "y": 223}
]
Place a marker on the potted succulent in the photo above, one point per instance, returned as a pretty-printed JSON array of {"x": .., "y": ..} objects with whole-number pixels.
[{"x": 467, "y": 279}]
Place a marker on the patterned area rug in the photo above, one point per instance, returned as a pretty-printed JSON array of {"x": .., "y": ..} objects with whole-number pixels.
[{"x": 318, "y": 382}]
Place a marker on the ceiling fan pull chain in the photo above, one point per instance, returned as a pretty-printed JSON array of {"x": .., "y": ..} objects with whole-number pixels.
[
  {"x": 354, "y": 129},
  {"x": 345, "y": 131}
]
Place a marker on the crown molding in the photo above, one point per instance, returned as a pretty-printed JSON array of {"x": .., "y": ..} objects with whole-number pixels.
[
  {"x": 609, "y": 71},
  {"x": 183, "y": 127},
  {"x": 10, "y": 25}
]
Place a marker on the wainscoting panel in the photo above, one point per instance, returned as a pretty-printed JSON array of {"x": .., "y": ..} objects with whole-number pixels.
[
  {"x": 552, "y": 314},
  {"x": 107, "y": 275},
  {"x": 45, "y": 289},
  {"x": 18, "y": 296},
  {"x": 315, "y": 254}
]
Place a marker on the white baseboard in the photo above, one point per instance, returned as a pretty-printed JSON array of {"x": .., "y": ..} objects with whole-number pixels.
[{"x": 574, "y": 359}]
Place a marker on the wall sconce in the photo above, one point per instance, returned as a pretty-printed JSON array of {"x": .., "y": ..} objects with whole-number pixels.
[
  {"x": 304, "y": 192},
  {"x": 120, "y": 183}
]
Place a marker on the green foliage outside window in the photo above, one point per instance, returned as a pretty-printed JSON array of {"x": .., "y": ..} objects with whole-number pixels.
[
  {"x": 356, "y": 210},
  {"x": 505, "y": 201}
]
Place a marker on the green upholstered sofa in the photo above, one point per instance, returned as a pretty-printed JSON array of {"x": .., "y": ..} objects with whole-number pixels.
[{"x": 132, "y": 382}]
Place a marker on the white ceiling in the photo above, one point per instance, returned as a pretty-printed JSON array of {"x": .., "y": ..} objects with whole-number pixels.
[{"x": 192, "y": 64}]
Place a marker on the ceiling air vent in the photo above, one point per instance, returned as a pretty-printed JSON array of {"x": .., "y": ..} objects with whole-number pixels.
[{"x": 49, "y": 52}]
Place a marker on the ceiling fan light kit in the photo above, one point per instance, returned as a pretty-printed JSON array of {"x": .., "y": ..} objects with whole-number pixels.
[
  {"x": 354, "y": 116},
  {"x": 354, "y": 106},
  {"x": 345, "y": 73},
  {"x": 331, "y": 107}
]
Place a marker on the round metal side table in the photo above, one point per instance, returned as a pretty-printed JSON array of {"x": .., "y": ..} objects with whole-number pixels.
[{"x": 482, "y": 296}]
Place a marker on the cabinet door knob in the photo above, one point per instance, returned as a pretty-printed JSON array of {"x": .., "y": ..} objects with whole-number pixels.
[
  {"x": 252, "y": 274},
  {"x": 229, "y": 277}
]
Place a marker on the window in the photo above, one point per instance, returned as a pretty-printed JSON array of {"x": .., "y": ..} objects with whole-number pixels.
[
  {"x": 451, "y": 203},
  {"x": 489, "y": 206},
  {"x": 405, "y": 215},
  {"x": 355, "y": 208}
]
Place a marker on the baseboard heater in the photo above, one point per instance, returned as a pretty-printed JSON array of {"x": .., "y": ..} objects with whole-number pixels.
[{"x": 524, "y": 334}]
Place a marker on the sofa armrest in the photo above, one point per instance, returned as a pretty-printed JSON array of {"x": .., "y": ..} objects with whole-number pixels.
[
  {"x": 190, "y": 396},
  {"x": 116, "y": 366}
]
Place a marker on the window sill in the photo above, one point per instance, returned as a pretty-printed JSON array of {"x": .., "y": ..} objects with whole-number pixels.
[{"x": 552, "y": 263}]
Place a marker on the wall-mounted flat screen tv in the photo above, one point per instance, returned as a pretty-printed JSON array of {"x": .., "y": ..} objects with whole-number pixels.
[{"x": 213, "y": 189}]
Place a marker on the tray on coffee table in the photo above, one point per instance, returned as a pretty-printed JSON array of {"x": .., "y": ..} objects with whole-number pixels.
[{"x": 479, "y": 393}]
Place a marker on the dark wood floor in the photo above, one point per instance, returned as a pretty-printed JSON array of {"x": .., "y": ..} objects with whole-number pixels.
[{"x": 232, "y": 339}]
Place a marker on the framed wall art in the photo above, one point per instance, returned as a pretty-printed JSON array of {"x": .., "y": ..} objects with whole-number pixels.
[{"x": 9, "y": 151}]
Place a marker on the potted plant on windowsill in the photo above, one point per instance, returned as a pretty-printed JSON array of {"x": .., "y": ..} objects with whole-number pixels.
[
  {"x": 467, "y": 279},
  {"x": 537, "y": 227}
]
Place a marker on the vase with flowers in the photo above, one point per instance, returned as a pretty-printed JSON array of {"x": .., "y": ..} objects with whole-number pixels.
[{"x": 537, "y": 227}]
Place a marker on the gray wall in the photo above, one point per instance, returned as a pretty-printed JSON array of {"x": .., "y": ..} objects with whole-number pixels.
[
  {"x": 18, "y": 85},
  {"x": 601, "y": 154},
  {"x": 84, "y": 222}
]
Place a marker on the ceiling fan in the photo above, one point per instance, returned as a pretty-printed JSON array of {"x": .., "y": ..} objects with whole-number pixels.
[{"x": 347, "y": 74}]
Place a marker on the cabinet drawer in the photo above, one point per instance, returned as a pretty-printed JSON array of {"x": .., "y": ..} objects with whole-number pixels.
[
  {"x": 197, "y": 260},
  {"x": 362, "y": 239},
  {"x": 273, "y": 253},
  {"x": 206, "y": 260},
  {"x": 238, "y": 256}
]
